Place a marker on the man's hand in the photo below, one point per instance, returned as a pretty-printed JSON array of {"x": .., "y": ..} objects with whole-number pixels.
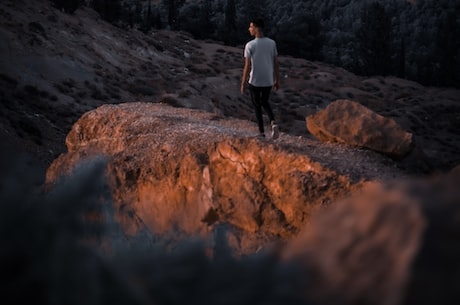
[
  {"x": 242, "y": 88},
  {"x": 276, "y": 85}
]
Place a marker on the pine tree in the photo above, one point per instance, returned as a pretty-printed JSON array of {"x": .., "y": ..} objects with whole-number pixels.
[
  {"x": 109, "y": 10},
  {"x": 373, "y": 40},
  {"x": 229, "y": 36},
  {"x": 68, "y": 6}
]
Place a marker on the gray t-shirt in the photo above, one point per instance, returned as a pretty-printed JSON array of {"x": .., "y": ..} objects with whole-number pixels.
[{"x": 262, "y": 52}]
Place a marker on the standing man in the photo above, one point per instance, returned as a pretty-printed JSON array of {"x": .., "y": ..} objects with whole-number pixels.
[{"x": 262, "y": 67}]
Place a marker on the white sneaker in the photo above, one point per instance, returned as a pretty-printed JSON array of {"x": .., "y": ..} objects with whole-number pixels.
[{"x": 275, "y": 131}]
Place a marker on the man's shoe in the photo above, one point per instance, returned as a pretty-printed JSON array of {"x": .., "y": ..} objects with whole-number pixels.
[{"x": 275, "y": 131}]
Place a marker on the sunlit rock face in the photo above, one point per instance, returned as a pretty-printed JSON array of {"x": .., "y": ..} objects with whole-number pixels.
[
  {"x": 351, "y": 123},
  {"x": 177, "y": 170}
]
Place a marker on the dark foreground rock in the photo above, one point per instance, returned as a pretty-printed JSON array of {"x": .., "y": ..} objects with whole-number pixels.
[{"x": 391, "y": 244}]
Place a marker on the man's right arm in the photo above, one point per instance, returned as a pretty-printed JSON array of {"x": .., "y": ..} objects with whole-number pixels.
[{"x": 276, "y": 73}]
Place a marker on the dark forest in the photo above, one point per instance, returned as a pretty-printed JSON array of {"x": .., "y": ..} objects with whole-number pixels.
[{"x": 417, "y": 40}]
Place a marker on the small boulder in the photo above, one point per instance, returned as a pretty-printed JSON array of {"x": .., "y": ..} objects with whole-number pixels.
[{"x": 351, "y": 123}]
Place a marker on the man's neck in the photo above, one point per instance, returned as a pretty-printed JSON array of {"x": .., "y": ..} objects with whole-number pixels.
[{"x": 259, "y": 35}]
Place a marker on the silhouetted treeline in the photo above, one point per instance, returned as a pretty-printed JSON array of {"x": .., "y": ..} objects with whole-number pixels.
[{"x": 418, "y": 41}]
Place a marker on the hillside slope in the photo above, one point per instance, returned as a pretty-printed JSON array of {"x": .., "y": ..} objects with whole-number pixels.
[{"x": 55, "y": 67}]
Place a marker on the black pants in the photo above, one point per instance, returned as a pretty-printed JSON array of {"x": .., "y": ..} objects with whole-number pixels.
[{"x": 259, "y": 97}]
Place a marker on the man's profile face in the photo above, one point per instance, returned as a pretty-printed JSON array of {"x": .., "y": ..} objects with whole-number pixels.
[{"x": 252, "y": 29}]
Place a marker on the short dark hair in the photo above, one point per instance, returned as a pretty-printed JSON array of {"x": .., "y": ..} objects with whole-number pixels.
[{"x": 258, "y": 22}]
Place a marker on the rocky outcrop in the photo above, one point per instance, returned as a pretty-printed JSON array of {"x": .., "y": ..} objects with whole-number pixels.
[
  {"x": 184, "y": 171},
  {"x": 351, "y": 123},
  {"x": 181, "y": 172}
]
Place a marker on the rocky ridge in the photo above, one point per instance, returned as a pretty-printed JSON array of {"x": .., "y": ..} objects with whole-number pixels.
[
  {"x": 186, "y": 171},
  {"x": 364, "y": 236}
]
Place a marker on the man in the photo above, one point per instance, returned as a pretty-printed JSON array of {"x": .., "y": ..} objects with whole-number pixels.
[{"x": 261, "y": 64}]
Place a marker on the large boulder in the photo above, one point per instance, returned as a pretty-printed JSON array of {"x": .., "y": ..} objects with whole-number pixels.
[
  {"x": 351, "y": 123},
  {"x": 185, "y": 171}
]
